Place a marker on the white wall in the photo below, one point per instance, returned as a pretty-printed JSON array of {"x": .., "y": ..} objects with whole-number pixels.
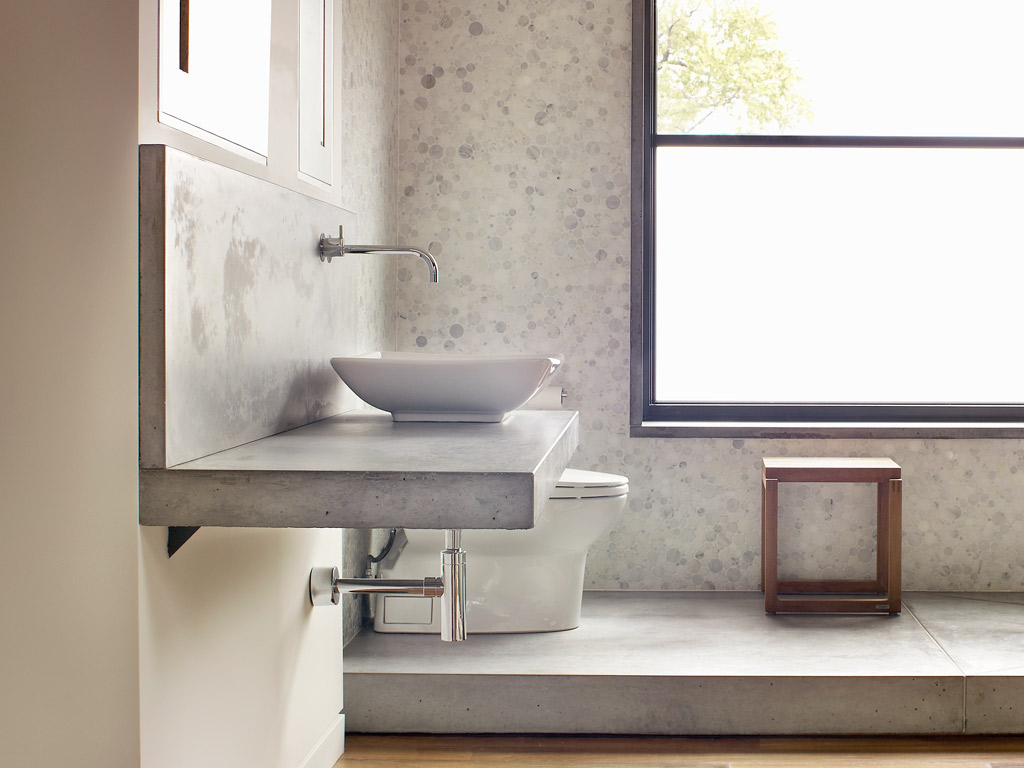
[
  {"x": 68, "y": 425},
  {"x": 70, "y": 547},
  {"x": 237, "y": 669}
]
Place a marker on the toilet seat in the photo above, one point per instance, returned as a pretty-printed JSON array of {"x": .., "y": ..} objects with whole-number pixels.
[{"x": 584, "y": 484}]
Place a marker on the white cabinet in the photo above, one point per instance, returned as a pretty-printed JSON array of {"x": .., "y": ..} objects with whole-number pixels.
[{"x": 215, "y": 71}]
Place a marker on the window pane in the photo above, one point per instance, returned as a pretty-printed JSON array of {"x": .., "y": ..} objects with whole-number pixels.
[
  {"x": 814, "y": 67},
  {"x": 838, "y": 275}
]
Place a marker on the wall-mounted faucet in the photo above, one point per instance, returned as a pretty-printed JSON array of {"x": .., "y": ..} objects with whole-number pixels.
[{"x": 335, "y": 246}]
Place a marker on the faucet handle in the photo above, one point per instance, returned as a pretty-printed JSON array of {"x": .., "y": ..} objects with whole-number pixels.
[{"x": 330, "y": 247}]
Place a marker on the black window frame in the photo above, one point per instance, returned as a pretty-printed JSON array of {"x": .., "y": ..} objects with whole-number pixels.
[{"x": 649, "y": 418}]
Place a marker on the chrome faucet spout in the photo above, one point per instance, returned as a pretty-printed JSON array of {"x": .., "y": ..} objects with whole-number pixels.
[
  {"x": 397, "y": 250},
  {"x": 331, "y": 247}
]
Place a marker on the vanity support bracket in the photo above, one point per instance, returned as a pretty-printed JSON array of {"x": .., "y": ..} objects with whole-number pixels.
[{"x": 177, "y": 535}]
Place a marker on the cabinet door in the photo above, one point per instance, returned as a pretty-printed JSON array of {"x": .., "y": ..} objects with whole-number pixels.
[
  {"x": 316, "y": 86},
  {"x": 215, "y": 71}
]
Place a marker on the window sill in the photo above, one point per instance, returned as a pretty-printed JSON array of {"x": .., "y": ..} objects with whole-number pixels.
[{"x": 676, "y": 429}]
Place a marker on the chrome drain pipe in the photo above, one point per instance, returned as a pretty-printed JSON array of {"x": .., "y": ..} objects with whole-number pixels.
[
  {"x": 453, "y": 574},
  {"x": 326, "y": 586},
  {"x": 431, "y": 586}
]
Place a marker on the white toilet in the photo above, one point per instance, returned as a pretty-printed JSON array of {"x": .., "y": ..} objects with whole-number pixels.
[{"x": 517, "y": 581}]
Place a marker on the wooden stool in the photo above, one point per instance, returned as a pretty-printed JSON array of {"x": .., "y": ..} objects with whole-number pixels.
[{"x": 883, "y": 594}]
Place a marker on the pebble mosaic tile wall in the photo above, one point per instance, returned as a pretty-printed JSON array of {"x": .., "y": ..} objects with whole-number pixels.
[{"x": 514, "y": 170}]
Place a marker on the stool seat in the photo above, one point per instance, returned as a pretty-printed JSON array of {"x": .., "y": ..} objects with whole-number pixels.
[
  {"x": 880, "y": 595},
  {"x": 831, "y": 470}
]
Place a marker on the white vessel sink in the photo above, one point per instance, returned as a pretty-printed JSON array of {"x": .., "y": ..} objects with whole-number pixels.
[{"x": 439, "y": 387}]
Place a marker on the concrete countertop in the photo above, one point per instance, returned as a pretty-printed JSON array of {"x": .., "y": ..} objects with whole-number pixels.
[{"x": 362, "y": 470}]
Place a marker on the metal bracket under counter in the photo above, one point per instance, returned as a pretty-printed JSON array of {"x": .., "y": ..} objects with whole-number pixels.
[
  {"x": 177, "y": 535},
  {"x": 362, "y": 470}
]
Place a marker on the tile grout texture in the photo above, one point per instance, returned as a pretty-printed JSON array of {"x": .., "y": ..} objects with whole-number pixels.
[{"x": 514, "y": 170}]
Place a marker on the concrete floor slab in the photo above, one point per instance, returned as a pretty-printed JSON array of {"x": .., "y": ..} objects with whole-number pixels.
[
  {"x": 983, "y": 633},
  {"x": 651, "y": 705},
  {"x": 674, "y": 634},
  {"x": 664, "y": 663}
]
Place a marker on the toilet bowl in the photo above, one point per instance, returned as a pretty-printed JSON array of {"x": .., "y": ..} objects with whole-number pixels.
[{"x": 517, "y": 581}]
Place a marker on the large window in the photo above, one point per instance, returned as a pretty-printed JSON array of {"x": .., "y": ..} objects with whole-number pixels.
[{"x": 830, "y": 229}]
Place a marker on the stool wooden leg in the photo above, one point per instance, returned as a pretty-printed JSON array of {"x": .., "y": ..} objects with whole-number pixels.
[
  {"x": 770, "y": 546},
  {"x": 763, "y": 493},
  {"x": 895, "y": 546},
  {"x": 882, "y": 544}
]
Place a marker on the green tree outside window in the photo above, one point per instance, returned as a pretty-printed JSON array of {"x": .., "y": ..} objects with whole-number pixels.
[{"x": 720, "y": 57}]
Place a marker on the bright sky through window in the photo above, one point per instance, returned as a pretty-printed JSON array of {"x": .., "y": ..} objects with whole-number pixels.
[{"x": 851, "y": 274}]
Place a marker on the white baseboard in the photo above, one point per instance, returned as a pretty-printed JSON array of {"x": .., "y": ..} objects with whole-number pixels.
[{"x": 329, "y": 748}]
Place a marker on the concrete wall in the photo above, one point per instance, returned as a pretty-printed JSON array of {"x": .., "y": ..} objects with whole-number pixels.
[
  {"x": 69, "y": 445},
  {"x": 515, "y": 140}
]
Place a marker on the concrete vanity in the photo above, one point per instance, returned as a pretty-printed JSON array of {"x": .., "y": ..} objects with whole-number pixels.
[
  {"x": 362, "y": 470},
  {"x": 237, "y": 397}
]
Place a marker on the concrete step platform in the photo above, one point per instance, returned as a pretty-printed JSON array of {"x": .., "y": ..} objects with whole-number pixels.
[{"x": 705, "y": 663}]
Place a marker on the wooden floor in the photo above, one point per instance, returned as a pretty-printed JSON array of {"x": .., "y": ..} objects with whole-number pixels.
[{"x": 375, "y": 751}]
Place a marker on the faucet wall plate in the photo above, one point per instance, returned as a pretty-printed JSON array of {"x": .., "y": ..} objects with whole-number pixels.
[
  {"x": 322, "y": 586},
  {"x": 329, "y": 247}
]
